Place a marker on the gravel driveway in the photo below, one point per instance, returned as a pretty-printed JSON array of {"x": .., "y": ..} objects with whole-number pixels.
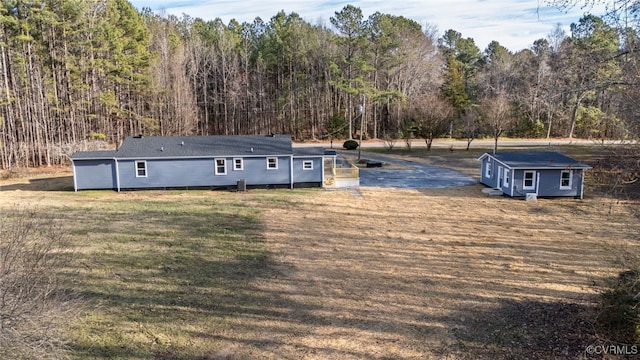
[{"x": 420, "y": 176}]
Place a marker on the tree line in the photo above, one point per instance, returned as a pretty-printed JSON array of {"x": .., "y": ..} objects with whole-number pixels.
[{"x": 75, "y": 74}]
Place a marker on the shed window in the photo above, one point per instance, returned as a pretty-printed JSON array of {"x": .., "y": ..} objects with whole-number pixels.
[
  {"x": 221, "y": 166},
  {"x": 307, "y": 165},
  {"x": 238, "y": 164},
  {"x": 528, "y": 179},
  {"x": 566, "y": 178},
  {"x": 272, "y": 163},
  {"x": 141, "y": 168},
  {"x": 487, "y": 170},
  {"x": 506, "y": 177}
]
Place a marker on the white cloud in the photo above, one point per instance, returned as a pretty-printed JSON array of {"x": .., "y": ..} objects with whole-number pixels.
[{"x": 514, "y": 24}]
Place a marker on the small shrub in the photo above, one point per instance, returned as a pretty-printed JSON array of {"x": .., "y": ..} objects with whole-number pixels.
[
  {"x": 96, "y": 136},
  {"x": 389, "y": 142},
  {"x": 619, "y": 315},
  {"x": 337, "y": 127},
  {"x": 350, "y": 145},
  {"x": 35, "y": 304}
]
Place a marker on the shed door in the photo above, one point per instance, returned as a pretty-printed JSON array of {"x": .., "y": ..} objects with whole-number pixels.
[{"x": 500, "y": 176}]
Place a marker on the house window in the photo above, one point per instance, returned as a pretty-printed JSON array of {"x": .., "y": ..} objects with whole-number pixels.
[
  {"x": 506, "y": 177},
  {"x": 565, "y": 179},
  {"x": 141, "y": 168},
  {"x": 238, "y": 164},
  {"x": 527, "y": 181},
  {"x": 221, "y": 166},
  {"x": 487, "y": 170},
  {"x": 307, "y": 165},
  {"x": 272, "y": 163}
]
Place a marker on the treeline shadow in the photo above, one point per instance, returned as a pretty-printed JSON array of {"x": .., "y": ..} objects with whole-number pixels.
[
  {"x": 526, "y": 329},
  {"x": 61, "y": 183},
  {"x": 180, "y": 273}
]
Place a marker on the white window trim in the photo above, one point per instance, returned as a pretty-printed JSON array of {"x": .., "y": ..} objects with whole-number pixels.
[
  {"x": 276, "y": 163},
  {"x": 487, "y": 170},
  {"x": 224, "y": 162},
  {"x": 309, "y": 163},
  {"x": 146, "y": 173},
  {"x": 507, "y": 172},
  {"x": 533, "y": 180},
  {"x": 236, "y": 163},
  {"x": 570, "y": 179}
]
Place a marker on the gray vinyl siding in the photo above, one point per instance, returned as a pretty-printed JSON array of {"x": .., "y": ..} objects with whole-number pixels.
[
  {"x": 190, "y": 161},
  {"x": 168, "y": 173},
  {"x": 518, "y": 178},
  {"x": 307, "y": 176},
  {"x": 94, "y": 174},
  {"x": 256, "y": 172},
  {"x": 491, "y": 181},
  {"x": 201, "y": 173},
  {"x": 548, "y": 184}
]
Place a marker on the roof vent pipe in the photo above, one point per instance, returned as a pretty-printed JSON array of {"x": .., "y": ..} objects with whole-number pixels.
[
  {"x": 162, "y": 149},
  {"x": 251, "y": 149},
  {"x": 182, "y": 143}
]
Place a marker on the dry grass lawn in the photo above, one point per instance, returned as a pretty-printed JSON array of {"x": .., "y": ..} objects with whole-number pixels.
[
  {"x": 319, "y": 274},
  {"x": 440, "y": 273}
]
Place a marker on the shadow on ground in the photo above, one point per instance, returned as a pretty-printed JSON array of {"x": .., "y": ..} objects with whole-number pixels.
[
  {"x": 526, "y": 329},
  {"x": 61, "y": 183}
]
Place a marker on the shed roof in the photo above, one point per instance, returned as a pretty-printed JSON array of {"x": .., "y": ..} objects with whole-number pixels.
[
  {"x": 536, "y": 160},
  {"x": 195, "y": 146}
]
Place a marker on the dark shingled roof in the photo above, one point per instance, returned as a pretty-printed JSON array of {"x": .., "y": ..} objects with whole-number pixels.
[
  {"x": 140, "y": 147},
  {"x": 537, "y": 160},
  {"x": 102, "y": 154},
  {"x": 308, "y": 151}
]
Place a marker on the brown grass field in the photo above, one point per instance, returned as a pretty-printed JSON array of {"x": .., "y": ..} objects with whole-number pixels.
[{"x": 333, "y": 274}]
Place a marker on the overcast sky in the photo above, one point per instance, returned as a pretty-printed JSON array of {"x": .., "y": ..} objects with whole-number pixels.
[{"x": 515, "y": 24}]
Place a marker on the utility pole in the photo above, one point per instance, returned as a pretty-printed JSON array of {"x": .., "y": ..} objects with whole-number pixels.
[{"x": 361, "y": 111}]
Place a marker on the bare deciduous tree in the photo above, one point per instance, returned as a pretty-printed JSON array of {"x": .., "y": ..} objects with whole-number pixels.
[
  {"x": 431, "y": 114},
  {"x": 469, "y": 124},
  {"x": 497, "y": 115}
]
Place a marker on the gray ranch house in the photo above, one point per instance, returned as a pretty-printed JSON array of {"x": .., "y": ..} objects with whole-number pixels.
[
  {"x": 543, "y": 173},
  {"x": 147, "y": 162}
]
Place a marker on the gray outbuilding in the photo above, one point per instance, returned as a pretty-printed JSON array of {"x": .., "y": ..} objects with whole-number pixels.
[
  {"x": 146, "y": 162},
  {"x": 540, "y": 173}
]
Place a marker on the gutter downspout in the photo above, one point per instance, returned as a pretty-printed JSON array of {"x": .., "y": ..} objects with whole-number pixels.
[
  {"x": 322, "y": 177},
  {"x": 291, "y": 169},
  {"x": 75, "y": 182},
  {"x": 117, "y": 174},
  {"x": 511, "y": 181},
  {"x": 582, "y": 185}
]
